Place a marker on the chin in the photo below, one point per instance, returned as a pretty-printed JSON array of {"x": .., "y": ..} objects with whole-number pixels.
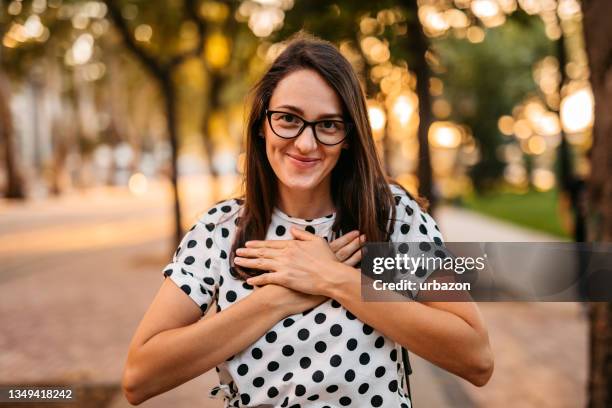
[{"x": 301, "y": 182}]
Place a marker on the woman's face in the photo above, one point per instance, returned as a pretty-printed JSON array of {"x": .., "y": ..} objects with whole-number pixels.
[{"x": 302, "y": 163}]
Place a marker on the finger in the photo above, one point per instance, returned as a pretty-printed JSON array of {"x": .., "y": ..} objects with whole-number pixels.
[
  {"x": 255, "y": 263},
  {"x": 354, "y": 259},
  {"x": 301, "y": 234},
  {"x": 263, "y": 279},
  {"x": 348, "y": 250},
  {"x": 338, "y": 243},
  {"x": 261, "y": 252},
  {"x": 278, "y": 244}
]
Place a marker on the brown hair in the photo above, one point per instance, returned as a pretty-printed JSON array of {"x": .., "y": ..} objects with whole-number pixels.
[{"x": 360, "y": 190}]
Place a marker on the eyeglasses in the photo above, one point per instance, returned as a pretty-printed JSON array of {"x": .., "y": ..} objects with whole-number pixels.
[{"x": 288, "y": 125}]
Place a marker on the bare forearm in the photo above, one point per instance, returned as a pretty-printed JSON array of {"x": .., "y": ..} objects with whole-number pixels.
[
  {"x": 437, "y": 335},
  {"x": 175, "y": 356}
]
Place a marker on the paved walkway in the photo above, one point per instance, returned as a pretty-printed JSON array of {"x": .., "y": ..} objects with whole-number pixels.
[{"x": 72, "y": 291}]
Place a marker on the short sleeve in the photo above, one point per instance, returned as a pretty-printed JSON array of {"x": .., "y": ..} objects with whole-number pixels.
[
  {"x": 194, "y": 265},
  {"x": 417, "y": 229}
]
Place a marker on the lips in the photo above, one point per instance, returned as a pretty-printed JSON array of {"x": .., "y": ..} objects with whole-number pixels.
[{"x": 302, "y": 161}]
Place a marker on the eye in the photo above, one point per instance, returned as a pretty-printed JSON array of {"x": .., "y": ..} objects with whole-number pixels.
[
  {"x": 287, "y": 117},
  {"x": 328, "y": 124}
]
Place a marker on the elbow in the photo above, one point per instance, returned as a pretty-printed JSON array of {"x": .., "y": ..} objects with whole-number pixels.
[
  {"x": 481, "y": 370},
  {"x": 129, "y": 386}
]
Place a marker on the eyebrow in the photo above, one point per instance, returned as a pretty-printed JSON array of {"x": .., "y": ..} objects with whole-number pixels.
[{"x": 301, "y": 112}]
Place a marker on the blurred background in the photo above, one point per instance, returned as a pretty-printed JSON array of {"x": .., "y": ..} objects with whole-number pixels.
[{"x": 121, "y": 121}]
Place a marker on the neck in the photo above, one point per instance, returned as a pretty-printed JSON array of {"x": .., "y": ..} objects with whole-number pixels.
[{"x": 306, "y": 204}]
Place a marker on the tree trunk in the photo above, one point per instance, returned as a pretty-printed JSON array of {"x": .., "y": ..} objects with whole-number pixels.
[
  {"x": 14, "y": 181},
  {"x": 214, "y": 102},
  {"x": 598, "y": 39},
  {"x": 169, "y": 95},
  {"x": 421, "y": 70}
]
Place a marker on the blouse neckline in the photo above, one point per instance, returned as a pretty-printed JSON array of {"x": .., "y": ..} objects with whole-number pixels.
[{"x": 327, "y": 218}]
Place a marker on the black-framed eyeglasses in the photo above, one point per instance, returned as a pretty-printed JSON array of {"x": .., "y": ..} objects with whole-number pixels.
[{"x": 288, "y": 125}]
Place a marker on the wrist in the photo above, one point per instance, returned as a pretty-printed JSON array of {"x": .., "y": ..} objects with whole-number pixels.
[{"x": 339, "y": 280}]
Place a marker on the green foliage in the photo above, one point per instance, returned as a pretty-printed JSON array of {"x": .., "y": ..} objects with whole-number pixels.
[
  {"x": 486, "y": 80},
  {"x": 537, "y": 210}
]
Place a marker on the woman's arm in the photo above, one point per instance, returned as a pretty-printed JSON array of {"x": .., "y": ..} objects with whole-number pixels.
[
  {"x": 170, "y": 347},
  {"x": 451, "y": 335}
]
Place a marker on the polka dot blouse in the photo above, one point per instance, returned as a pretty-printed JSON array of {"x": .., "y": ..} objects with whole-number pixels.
[{"x": 323, "y": 357}]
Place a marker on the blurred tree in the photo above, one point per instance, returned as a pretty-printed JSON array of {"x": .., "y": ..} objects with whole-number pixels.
[
  {"x": 598, "y": 38},
  {"x": 14, "y": 181},
  {"x": 486, "y": 80},
  {"x": 162, "y": 59}
]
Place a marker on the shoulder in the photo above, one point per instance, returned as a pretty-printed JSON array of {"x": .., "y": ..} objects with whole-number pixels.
[
  {"x": 410, "y": 219},
  {"x": 223, "y": 212}
]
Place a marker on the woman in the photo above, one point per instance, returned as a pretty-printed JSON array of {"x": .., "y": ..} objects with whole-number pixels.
[{"x": 296, "y": 332}]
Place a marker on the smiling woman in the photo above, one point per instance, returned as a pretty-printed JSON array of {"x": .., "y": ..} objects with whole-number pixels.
[{"x": 280, "y": 262}]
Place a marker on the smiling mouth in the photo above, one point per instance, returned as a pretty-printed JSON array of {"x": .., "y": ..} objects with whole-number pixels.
[{"x": 303, "y": 161}]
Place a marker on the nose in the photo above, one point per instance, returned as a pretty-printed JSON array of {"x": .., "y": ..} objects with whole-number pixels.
[{"x": 306, "y": 141}]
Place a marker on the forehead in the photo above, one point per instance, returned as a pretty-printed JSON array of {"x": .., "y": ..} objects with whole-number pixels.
[{"x": 307, "y": 90}]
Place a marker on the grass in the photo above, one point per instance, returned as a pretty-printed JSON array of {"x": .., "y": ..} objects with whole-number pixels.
[{"x": 534, "y": 209}]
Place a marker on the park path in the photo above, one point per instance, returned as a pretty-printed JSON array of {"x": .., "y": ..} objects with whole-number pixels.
[{"x": 78, "y": 272}]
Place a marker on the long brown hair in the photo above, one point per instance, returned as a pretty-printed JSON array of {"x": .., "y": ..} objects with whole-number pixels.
[{"x": 360, "y": 190}]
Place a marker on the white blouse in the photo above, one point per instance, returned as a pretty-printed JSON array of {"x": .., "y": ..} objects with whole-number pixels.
[{"x": 323, "y": 357}]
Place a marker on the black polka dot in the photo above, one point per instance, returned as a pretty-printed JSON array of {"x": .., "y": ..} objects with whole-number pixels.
[
  {"x": 393, "y": 386},
  {"x": 209, "y": 281},
  {"x": 300, "y": 390},
  {"x": 210, "y": 226},
  {"x": 272, "y": 392},
  {"x": 287, "y": 376},
  {"x": 305, "y": 362},
  {"x": 423, "y": 229},
  {"x": 209, "y": 243},
  {"x": 393, "y": 355},
  {"x": 351, "y": 344},
  {"x": 367, "y": 329},
  {"x": 380, "y": 341},
  {"x": 310, "y": 229},
  {"x": 271, "y": 337},
  {"x": 191, "y": 243},
  {"x": 243, "y": 369},
  {"x": 344, "y": 401},
  {"x": 189, "y": 260},
  {"x": 440, "y": 254},
  {"x": 168, "y": 272},
  {"x": 380, "y": 371},
  {"x": 364, "y": 358},
  {"x": 403, "y": 248},
  {"x": 363, "y": 388},
  {"x": 424, "y": 246},
  {"x": 256, "y": 353},
  {"x": 226, "y": 208},
  {"x": 224, "y": 232},
  {"x": 288, "y": 322},
  {"x": 273, "y": 366},
  {"x": 349, "y": 375},
  {"x": 280, "y": 230},
  {"x": 303, "y": 334},
  {"x": 313, "y": 397},
  {"x": 207, "y": 263},
  {"x": 409, "y": 210},
  {"x": 350, "y": 316},
  {"x": 438, "y": 241},
  {"x": 335, "y": 360},
  {"x": 223, "y": 254},
  {"x": 212, "y": 211},
  {"x": 405, "y": 228},
  {"x": 335, "y": 330},
  {"x": 245, "y": 398},
  {"x": 320, "y": 346},
  {"x": 335, "y": 303},
  {"x": 332, "y": 388},
  {"x": 186, "y": 289},
  {"x": 376, "y": 401},
  {"x": 231, "y": 296},
  {"x": 258, "y": 381},
  {"x": 317, "y": 376},
  {"x": 288, "y": 350},
  {"x": 320, "y": 318},
  {"x": 247, "y": 286}
]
